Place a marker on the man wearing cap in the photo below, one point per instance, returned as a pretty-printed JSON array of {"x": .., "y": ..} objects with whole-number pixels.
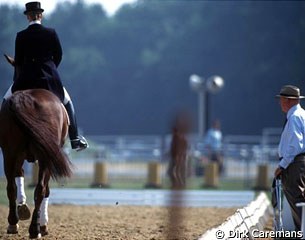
[
  {"x": 38, "y": 53},
  {"x": 291, "y": 151}
]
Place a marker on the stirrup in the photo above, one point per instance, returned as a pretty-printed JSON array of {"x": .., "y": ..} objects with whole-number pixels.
[{"x": 79, "y": 144}]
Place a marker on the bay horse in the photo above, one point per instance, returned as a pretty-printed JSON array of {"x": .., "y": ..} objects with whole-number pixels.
[
  {"x": 178, "y": 151},
  {"x": 34, "y": 126}
]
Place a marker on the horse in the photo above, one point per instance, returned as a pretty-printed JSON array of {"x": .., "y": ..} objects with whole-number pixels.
[
  {"x": 178, "y": 151},
  {"x": 34, "y": 126}
]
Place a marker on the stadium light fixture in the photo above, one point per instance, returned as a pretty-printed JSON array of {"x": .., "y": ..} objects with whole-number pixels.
[{"x": 203, "y": 87}]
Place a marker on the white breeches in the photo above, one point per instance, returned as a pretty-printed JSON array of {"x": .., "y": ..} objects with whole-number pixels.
[{"x": 66, "y": 99}]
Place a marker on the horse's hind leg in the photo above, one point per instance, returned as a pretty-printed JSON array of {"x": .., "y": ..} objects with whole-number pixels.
[
  {"x": 9, "y": 168},
  {"x": 39, "y": 194}
]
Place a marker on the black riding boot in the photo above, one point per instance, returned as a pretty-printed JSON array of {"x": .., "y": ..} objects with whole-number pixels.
[
  {"x": 3, "y": 101},
  {"x": 78, "y": 142}
]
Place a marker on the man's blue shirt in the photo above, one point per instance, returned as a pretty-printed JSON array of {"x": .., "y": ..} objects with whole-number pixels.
[{"x": 292, "y": 140}]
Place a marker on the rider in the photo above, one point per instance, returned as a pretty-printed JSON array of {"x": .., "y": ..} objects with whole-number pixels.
[{"x": 38, "y": 53}]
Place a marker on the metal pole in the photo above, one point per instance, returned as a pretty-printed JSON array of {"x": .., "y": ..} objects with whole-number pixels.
[
  {"x": 207, "y": 111},
  {"x": 201, "y": 111},
  {"x": 278, "y": 184}
]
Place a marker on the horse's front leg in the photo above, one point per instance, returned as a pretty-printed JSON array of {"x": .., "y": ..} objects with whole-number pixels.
[
  {"x": 39, "y": 194},
  {"x": 44, "y": 218}
]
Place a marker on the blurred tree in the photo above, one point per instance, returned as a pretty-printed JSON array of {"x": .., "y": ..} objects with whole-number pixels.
[
  {"x": 10, "y": 22},
  {"x": 128, "y": 73}
]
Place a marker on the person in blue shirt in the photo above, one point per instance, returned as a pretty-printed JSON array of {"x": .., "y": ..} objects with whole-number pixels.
[
  {"x": 213, "y": 144},
  {"x": 291, "y": 151}
]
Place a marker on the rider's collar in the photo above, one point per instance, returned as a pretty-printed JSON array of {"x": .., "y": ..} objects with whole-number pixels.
[{"x": 35, "y": 22}]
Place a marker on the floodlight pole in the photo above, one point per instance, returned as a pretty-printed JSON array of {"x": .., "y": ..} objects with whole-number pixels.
[
  {"x": 203, "y": 88},
  {"x": 198, "y": 84},
  {"x": 202, "y": 112}
]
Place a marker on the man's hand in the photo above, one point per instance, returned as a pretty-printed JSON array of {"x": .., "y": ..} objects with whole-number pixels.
[{"x": 277, "y": 172}]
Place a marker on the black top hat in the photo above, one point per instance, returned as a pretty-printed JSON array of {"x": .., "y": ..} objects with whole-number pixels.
[{"x": 33, "y": 7}]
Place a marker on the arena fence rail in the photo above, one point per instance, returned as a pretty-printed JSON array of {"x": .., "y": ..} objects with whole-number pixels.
[{"x": 245, "y": 222}]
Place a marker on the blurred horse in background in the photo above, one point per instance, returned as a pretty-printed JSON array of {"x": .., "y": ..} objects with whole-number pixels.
[
  {"x": 34, "y": 126},
  {"x": 177, "y": 169}
]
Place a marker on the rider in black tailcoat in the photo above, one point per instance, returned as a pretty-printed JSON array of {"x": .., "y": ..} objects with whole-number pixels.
[{"x": 38, "y": 53}]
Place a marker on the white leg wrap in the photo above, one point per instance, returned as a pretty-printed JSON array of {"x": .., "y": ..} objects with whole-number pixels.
[
  {"x": 44, "y": 218},
  {"x": 21, "y": 197}
]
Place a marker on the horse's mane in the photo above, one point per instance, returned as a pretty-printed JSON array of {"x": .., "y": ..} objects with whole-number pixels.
[{"x": 36, "y": 119}]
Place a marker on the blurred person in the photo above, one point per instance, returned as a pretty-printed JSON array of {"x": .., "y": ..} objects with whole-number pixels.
[
  {"x": 178, "y": 151},
  {"x": 213, "y": 144},
  {"x": 291, "y": 151},
  {"x": 38, "y": 54}
]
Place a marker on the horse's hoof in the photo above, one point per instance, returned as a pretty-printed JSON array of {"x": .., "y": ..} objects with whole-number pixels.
[
  {"x": 36, "y": 236},
  {"x": 12, "y": 229},
  {"x": 24, "y": 212},
  {"x": 44, "y": 230}
]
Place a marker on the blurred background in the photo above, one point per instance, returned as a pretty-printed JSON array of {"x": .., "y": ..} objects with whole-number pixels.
[{"x": 128, "y": 73}]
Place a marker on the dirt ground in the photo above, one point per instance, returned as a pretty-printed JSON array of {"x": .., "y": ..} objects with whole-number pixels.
[{"x": 69, "y": 222}]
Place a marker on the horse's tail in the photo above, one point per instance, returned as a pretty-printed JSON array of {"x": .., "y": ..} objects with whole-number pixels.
[{"x": 37, "y": 123}]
